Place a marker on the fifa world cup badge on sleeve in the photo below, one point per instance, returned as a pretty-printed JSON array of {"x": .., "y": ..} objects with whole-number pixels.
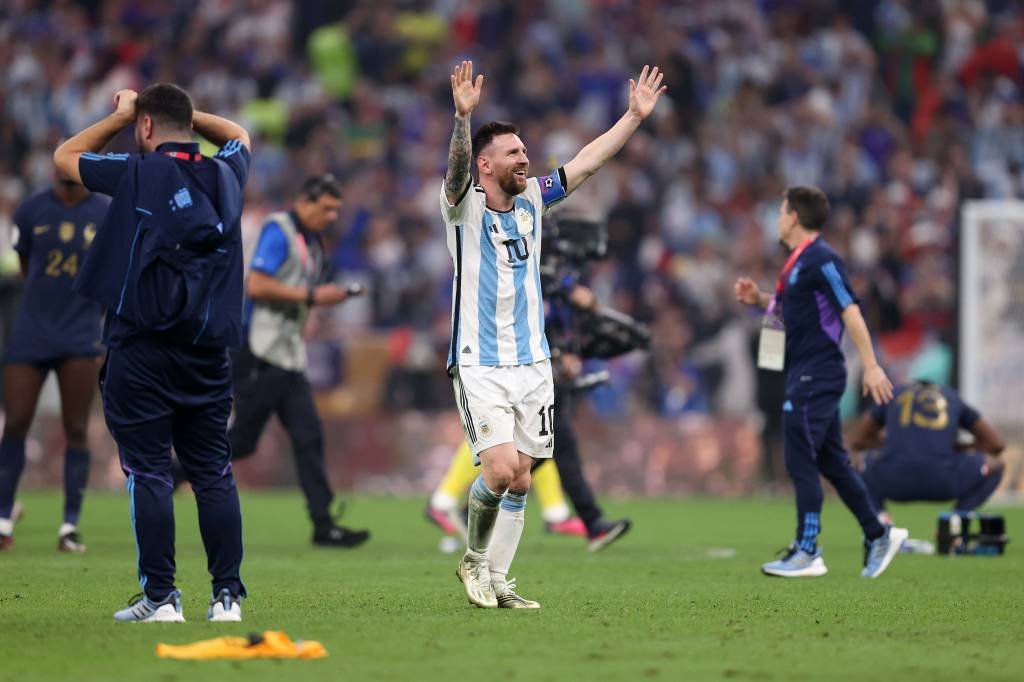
[{"x": 771, "y": 349}]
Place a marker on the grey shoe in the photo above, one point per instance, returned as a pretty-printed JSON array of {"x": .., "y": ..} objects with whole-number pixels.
[
  {"x": 916, "y": 546},
  {"x": 224, "y": 608},
  {"x": 606, "y": 533},
  {"x": 881, "y": 551},
  {"x": 142, "y": 609},
  {"x": 796, "y": 564}
]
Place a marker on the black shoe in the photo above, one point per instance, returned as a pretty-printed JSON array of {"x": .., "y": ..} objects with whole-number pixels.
[
  {"x": 605, "y": 533},
  {"x": 70, "y": 542},
  {"x": 339, "y": 536}
]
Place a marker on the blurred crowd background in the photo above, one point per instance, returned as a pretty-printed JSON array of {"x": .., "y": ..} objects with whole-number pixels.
[{"x": 899, "y": 109}]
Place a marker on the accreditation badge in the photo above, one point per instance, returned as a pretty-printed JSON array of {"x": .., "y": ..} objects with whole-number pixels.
[{"x": 771, "y": 348}]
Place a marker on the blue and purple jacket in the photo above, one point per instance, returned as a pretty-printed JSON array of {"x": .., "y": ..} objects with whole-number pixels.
[{"x": 815, "y": 295}]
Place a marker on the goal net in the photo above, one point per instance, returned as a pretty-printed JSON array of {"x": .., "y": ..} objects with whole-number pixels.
[{"x": 992, "y": 321}]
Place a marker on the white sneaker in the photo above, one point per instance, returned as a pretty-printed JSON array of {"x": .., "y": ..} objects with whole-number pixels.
[
  {"x": 145, "y": 610},
  {"x": 508, "y": 599},
  {"x": 917, "y": 546},
  {"x": 475, "y": 576},
  {"x": 7, "y": 527},
  {"x": 879, "y": 553},
  {"x": 224, "y": 608},
  {"x": 797, "y": 564}
]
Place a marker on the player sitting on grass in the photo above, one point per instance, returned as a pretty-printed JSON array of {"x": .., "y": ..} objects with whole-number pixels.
[{"x": 920, "y": 458}]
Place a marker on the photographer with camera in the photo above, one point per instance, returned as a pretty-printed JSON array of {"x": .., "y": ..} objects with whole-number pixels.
[
  {"x": 579, "y": 328},
  {"x": 287, "y": 278}
]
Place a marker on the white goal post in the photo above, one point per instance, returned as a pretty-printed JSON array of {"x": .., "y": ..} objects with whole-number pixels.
[{"x": 992, "y": 312}]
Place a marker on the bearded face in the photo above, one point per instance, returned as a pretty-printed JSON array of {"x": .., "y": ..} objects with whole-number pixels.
[{"x": 505, "y": 158}]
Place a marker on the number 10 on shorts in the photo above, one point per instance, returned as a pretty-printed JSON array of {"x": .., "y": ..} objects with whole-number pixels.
[{"x": 547, "y": 420}]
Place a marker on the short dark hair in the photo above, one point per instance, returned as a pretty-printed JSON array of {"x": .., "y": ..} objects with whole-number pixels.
[
  {"x": 316, "y": 186},
  {"x": 488, "y": 131},
  {"x": 168, "y": 105},
  {"x": 810, "y": 205}
]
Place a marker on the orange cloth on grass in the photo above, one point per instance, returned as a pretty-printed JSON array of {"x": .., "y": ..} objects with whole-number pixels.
[{"x": 272, "y": 645}]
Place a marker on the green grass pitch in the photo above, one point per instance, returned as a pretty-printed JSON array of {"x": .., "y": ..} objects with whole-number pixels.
[{"x": 667, "y": 602}]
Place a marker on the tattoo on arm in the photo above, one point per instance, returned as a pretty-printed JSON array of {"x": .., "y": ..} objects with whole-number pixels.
[{"x": 458, "y": 159}]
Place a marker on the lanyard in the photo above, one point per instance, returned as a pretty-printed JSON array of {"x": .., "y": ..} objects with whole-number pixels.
[
  {"x": 185, "y": 156},
  {"x": 780, "y": 284}
]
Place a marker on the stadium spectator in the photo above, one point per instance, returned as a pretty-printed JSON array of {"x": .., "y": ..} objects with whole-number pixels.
[{"x": 900, "y": 110}]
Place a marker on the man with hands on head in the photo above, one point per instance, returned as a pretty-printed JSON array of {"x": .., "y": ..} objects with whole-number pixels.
[
  {"x": 499, "y": 358},
  {"x": 803, "y": 325},
  {"x": 166, "y": 263}
]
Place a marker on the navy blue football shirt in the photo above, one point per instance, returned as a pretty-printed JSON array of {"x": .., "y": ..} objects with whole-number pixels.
[
  {"x": 922, "y": 421},
  {"x": 816, "y": 292},
  {"x": 53, "y": 321}
]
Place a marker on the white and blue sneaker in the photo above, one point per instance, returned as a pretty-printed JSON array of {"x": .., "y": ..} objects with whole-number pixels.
[
  {"x": 225, "y": 608},
  {"x": 879, "y": 553},
  {"x": 796, "y": 564},
  {"x": 142, "y": 609}
]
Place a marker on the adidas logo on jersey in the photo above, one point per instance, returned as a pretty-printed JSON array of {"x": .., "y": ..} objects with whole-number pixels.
[{"x": 467, "y": 351}]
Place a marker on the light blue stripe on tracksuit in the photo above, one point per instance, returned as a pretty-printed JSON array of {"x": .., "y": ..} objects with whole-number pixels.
[
  {"x": 838, "y": 288},
  {"x": 135, "y": 532}
]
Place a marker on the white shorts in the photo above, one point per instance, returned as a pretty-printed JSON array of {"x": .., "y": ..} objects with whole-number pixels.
[{"x": 513, "y": 404}]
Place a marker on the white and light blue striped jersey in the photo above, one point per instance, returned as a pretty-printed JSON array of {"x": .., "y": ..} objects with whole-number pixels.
[{"x": 497, "y": 307}]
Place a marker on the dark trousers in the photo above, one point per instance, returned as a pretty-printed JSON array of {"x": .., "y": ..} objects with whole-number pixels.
[
  {"x": 813, "y": 444},
  {"x": 156, "y": 397},
  {"x": 570, "y": 467},
  {"x": 261, "y": 389},
  {"x": 964, "y": 478}
]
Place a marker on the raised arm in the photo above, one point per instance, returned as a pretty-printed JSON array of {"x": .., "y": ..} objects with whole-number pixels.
[
  {"x": 466, "y": 94},
  {"x": 643, "y": 95},
  {"x": 219, "y": 130},
  {"x": 97, "y": 136}
]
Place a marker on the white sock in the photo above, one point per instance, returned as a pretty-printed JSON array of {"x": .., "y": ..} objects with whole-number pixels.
[
  {"x": 508, "y": 529},
  {"x": 442, "y": 500},
  {"x": 66, "y": 528},
  {"x": 556, "y": 513},
  {"x": 6, "y": 527}
]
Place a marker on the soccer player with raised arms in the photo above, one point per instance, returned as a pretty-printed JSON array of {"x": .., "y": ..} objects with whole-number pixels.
[
  {"x": 499, "y": 359},
  {"x": 803, "y": 326}
]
